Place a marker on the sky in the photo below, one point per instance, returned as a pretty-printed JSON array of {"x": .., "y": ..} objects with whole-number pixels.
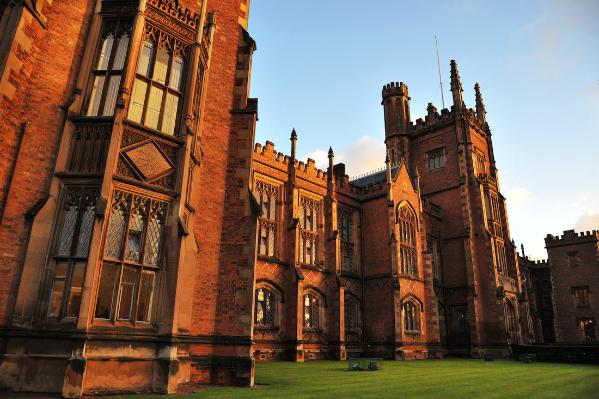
[{"x": 320, "y": 67}]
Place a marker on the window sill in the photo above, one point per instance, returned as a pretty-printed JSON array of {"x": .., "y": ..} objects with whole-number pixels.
[
  {"x": 166, "y": 136},
  {"x": 314, "y": 267},
  {"x": 104, "y": 324},
  {"x": 266, "y": 328},
  {"x": 412, "y": 333},
  {"x": 410, "y": 277},
  {"x": 87, "y": 119},
  {"x": 313, "y": 330},
  {"x": 271, "y": 259}
]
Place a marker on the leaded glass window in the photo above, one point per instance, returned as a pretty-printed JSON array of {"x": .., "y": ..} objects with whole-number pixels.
[
  {"x": 353, "y": 319},
  {"x": 73, "y": 234},
  {"x": 132, "y": 256},
  {"x": 108, "y": 69},
  {"x": 265, "y": 308},
  {"x": 345, "y": 223},
  {"x": 407, "y": 240},
  {"x": 157, "y": 89},
  {"x": 267, "y": 195},
  {"x": 311, "y": 312},
  {"x": 309, "y": 237},
  {"x": 436, "y": 159},
  {"x": 411, "y": 317}
]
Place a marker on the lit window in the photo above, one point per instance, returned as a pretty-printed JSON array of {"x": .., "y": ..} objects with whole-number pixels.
[
  {"x": 411, "y": 317},
  {"x": 436, "y": 159},
  {"x": 586, "y": 329},
  {"x": 267, "y": 195},
  {"x": 311, "y": 312},
  {"x": 156, "y": 94},
  {"x": 75, "y": 226},
  {"x": 132, "y": 256},
  {"x": 107, "y": 72},
  {"x": 407, "y": 240},
  {"x": 479, "y": 162},
  {"x": 265, "y": 308},
  {"x": 345, "y": 224}
]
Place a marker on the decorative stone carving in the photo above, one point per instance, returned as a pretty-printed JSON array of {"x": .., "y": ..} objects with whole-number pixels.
[{"x": 149, "y": 161}]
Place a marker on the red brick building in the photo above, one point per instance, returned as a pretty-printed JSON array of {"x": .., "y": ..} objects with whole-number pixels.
[
  {"x": 573, "y": 261},
  {"x": 145, "y": 242}
]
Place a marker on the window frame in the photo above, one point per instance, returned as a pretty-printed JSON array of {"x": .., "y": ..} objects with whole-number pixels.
[
  {"x": 268, "y": 223},
  {"x": 415, "y": 320},
  {"x": 314, "y": 297},
  {"x": 309, "y": 234},
  {"x": 431, "y": 156},
  {"x": 121, "y": 264},
  {"x": 114, "y": 28},
  {"x": 72, "y": 260},
  {"x": 345, "y": 222},
  {"x": 165, "y": 87},
  {"x": 408, "y": 241},
  {"x": 275, "y": 308},
  {"x": 585, "y": 296}
]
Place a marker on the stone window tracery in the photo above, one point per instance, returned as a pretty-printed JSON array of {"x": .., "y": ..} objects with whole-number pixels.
[
  {"x": 311, "y": 312},
  {"x": 479, "y": 162},
  {"x": 74, "y": 230},
  {"x": 132, "y": 257},
  {"x": 267, "y": 195},
  {"x": 158, "y": 86},
  {"x": 265, "y": 311},
  {"x": 309, "y": 238},
  {"x": 108, "y": 69},
  {"x": 436, "y": 159},
  {"x": 345, "y": 223},
  {"x": 411, "y": 317},
  {"x": 353, "y": 319},
  {"x": 407, "y": 240},
  {"x": 582, "y": 296}
]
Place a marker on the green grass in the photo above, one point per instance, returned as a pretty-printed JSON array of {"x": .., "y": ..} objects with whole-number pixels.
[{"x": 418, "y": 379}]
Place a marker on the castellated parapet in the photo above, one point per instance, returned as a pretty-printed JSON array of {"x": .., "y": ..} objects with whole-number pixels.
[{"x": 571, "y": 237}]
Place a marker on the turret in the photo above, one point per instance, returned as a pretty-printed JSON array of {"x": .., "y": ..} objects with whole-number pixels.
[
  {"x": 480, "y": 106},
  {"x": 456, "y": 87},
  {"x": 396, "y": 105}
]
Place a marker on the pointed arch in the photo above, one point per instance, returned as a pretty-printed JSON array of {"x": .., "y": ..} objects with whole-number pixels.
[
  {"x": 313, "y": 304},
  {"x": 408, "y": 226},
  {"x": 411, "y": 308}
]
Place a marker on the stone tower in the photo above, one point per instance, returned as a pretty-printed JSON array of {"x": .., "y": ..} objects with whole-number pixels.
[{"x": 396, "y": 105}]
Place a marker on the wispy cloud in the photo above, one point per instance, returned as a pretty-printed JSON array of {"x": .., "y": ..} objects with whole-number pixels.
[
  {"x": 361, "y": 156},
  {"x": 518, "y": 196}
]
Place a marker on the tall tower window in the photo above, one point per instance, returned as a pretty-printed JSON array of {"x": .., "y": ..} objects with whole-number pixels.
[
  {"x": 267, "y": 195},
  {"x": 132, "y": 256},
  {"x": 311, "y": 312},
  {"x": 74, "y": 231},
  {"x": 157, "y": 90},
  {"x": 345, "y": 222},
  {"x": 107, "y": 72},
  {"x": 309, "y": 238},
  {"x": 407, "y": 240}
]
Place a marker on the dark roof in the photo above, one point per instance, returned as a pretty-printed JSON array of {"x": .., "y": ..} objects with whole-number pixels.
[{"x": 374, "y": 178}]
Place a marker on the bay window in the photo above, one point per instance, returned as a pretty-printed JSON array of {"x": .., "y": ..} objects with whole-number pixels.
[{"x": 157, "y": 90}]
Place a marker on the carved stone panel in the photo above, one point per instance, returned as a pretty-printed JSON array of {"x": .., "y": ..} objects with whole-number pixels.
[{"x": 149, "y": 161}]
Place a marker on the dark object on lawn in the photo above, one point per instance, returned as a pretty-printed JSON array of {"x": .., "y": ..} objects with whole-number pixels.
[
  {"x": 488, "y": 357},
  {"x": 528, "y": 358},
  {"x": 365, "y": 364}
]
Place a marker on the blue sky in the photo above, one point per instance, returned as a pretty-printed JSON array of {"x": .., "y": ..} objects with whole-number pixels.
[{"x": 320, "y": 67}]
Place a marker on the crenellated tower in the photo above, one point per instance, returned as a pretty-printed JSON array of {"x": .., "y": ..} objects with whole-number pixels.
[{"x": 396, "y": 105}]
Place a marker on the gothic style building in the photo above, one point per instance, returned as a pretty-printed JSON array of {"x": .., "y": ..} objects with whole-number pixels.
[
  {"x": 145, "y": 242},
  {"x": 561, "y": 289}
]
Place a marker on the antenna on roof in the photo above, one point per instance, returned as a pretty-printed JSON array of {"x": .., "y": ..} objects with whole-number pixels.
[{"x": 439, "y": 69}]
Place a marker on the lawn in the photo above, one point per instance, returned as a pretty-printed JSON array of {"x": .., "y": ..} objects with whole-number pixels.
[{"x": 418, "y": 379}]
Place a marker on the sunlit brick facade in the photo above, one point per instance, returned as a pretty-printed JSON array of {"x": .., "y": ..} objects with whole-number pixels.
[{"x": 147, "y": 242}]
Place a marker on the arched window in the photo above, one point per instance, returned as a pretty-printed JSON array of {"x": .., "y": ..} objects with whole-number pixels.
[
  {"x": 311, "y": 312},
  {"x": 407, "y": 240},
  {"x": 511, "y": 324},
  {"x": 265, "y": 308},
  {"x": 411, "y": 317},
  {"x": 353, "y": 319}
]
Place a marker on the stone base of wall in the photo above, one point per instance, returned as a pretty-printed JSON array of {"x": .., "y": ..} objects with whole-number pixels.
[
  {"x": 574, "y": 353},
  {"x": 76, "y": 365}
]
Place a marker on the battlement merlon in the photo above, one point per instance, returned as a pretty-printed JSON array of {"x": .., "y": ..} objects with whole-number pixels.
[
  {"x": 570, "y": 237},
  {"x": 395, "y": 89}
]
